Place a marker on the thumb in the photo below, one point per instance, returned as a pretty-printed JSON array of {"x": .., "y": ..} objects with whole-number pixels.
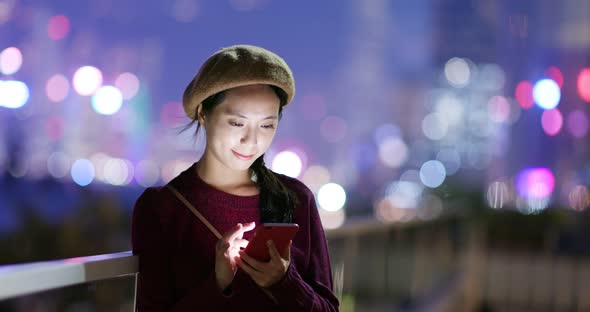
[{"x": 286, "y": 254}]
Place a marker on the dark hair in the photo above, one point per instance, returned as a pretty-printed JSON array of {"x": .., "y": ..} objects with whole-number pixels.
[{"x": 277, "y": 201}]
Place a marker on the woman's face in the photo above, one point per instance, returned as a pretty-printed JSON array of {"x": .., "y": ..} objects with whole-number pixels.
[{"x": 241, "y": 128}]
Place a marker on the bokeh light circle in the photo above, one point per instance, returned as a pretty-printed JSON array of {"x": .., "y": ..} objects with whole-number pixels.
[
  {"x": 107, "y": 100},
  {"x": 11, "y": 60},
  {"x": 128, "y": 83},
  {"x": 86, "y": 80},
  {"x": 58, "y": 27},
  {"x": 57, "y": 88},
  {"x": 524, "y": 94},
  {"x": 457, "y": 72},
  {"x": 432, "y": 173},
  {"x": 546, "y": 93},
  {"x": 82, "y": 172},
  {"x": 552, "y": 121},
  {"x": 287, "y": 163},
  {"x": 583, "y": 84},
  {"x": 331, "y": 197},
  {"x": 577, "y": 123},
  {"x": 535, "y": 183},
  {"x": 13, "y": 94}
]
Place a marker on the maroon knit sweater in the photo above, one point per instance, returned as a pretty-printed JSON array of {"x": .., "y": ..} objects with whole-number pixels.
[{"x": 177, "y": 252}]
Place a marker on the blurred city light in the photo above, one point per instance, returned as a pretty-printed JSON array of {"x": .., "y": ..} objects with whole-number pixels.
[
  {"x": 128, "y": 84},
  {"x": 107, "y": 100},
  {"x": 14, "y": 94},
  {"x": 552, "y": 121},
  {"x": 57, "y": 88},
  {"x": 393, "y": 152},
  {"x": 386, "y": 132},
  {"x": 579, "y": 198},
  {"x": 432, "y": 173},
  {"x": 147, "y": 173},
  {"x": 583, "y": 84},
  {"x": 11, "y": 60},
  {"x": 87, "y": 80},
  {"x": 577, "y": 122},
  {"x": 118, "y": 171},
  {"x": 555, "y": 74},
  {"x": 524, "y": 94},
  {"x": 404, "y": 194},
  {"x": 332, "y": 219},
  {"x": 58, "y": 165},
  {"x": 535, "y": 183},
  {"x": 287, "y": 163},
  {"x": 434, "y": 127},
  {"x": 331, "y": 197},
  {"x": 58, "y": 27},
  {"x": 499, "y": 109},
  {"x": 546, "y": 94},
  {"x": 457, "y": 72},
  {"x": 449, "y": 109},
  {"x": 498, "y": 195},
  {"x": 82, "y": 172}
]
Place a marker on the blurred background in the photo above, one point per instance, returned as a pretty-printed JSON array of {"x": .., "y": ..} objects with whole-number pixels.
[{"x": 446, "y": 141}]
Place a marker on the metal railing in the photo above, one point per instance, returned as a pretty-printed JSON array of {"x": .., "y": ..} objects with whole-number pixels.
[
  {"x": 28, "y": 278},
  {"x": 20, "y": 280},
  {"x": 23, "y": 279}
]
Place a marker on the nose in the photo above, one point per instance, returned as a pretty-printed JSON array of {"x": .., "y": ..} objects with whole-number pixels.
[{"x": 249, "y": 137}]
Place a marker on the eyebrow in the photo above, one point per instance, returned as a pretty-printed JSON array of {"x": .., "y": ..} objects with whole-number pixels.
[{"x": 231, "y": 113}]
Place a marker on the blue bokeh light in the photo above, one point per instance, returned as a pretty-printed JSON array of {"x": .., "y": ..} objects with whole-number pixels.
[{"x": 82, "y": 172}]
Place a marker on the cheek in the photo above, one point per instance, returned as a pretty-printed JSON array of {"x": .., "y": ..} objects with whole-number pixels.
[
  {"x": 267, "y": 138},
  {"x": 223, "y": 136}
]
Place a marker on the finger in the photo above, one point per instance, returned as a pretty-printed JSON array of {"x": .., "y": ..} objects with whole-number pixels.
[
  {"x": 256, "y": 275},
  {"x": 235, "y": 232},
  {"x": 241, "y": 243},
  {"x": 255, "y": 264},
  {"x": 244, "y": 228},
  {"x": 272, "y": 250},
  {"x": 286, "y": 255},
  {"x": 249, "y": 226}
]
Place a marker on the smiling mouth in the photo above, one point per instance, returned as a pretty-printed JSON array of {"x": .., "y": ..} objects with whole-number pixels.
[{"x": 241, "y": 156}]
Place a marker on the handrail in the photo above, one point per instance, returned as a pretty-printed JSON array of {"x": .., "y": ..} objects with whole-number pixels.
[{"x": 27, "y": 278}]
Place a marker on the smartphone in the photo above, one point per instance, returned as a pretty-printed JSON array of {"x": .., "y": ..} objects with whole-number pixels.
[{"x": 279, "y": 233}]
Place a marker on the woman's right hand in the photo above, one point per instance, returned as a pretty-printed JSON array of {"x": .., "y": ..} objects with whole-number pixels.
[{"x": 227, "y": 250}]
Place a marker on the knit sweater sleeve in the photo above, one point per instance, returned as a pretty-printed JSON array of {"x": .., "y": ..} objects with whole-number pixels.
[
  {"x": 155, "y": 285},
  {"x": 310, "y": 290}
]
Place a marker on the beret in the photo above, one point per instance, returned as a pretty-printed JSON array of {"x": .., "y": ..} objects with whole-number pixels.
[{"x": 236, "y": 66}]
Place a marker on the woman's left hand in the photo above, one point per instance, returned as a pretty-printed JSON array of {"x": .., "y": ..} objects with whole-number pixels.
[{"x": 268, "y": 273}]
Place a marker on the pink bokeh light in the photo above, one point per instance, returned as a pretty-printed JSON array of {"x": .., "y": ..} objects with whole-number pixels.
[{"x": 535, "y": 183}]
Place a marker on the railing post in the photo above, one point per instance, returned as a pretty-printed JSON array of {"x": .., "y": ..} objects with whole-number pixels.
[{"x": 136, "y": 275}]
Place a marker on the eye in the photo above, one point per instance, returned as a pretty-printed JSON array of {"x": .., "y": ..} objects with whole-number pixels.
[
  {"x": 271, "y": 126},
  {"x": 235, "y": 124}
]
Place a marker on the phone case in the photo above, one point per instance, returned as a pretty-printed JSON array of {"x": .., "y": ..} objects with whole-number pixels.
[{"x": 279, "y": 233}]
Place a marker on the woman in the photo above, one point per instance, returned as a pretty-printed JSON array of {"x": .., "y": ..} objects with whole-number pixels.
[{"x": 237, "y": 96}]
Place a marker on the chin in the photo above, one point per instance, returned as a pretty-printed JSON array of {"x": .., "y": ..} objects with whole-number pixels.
[{"x": 240, "y": 165}]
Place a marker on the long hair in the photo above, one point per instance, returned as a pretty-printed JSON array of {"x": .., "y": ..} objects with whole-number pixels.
[{"x": 277, "y": 201}]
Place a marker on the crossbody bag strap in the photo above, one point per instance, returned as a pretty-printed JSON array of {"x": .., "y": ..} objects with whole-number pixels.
[
  {"x": 207, "y": 224},
  {"x": 194, "y": 210}
]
